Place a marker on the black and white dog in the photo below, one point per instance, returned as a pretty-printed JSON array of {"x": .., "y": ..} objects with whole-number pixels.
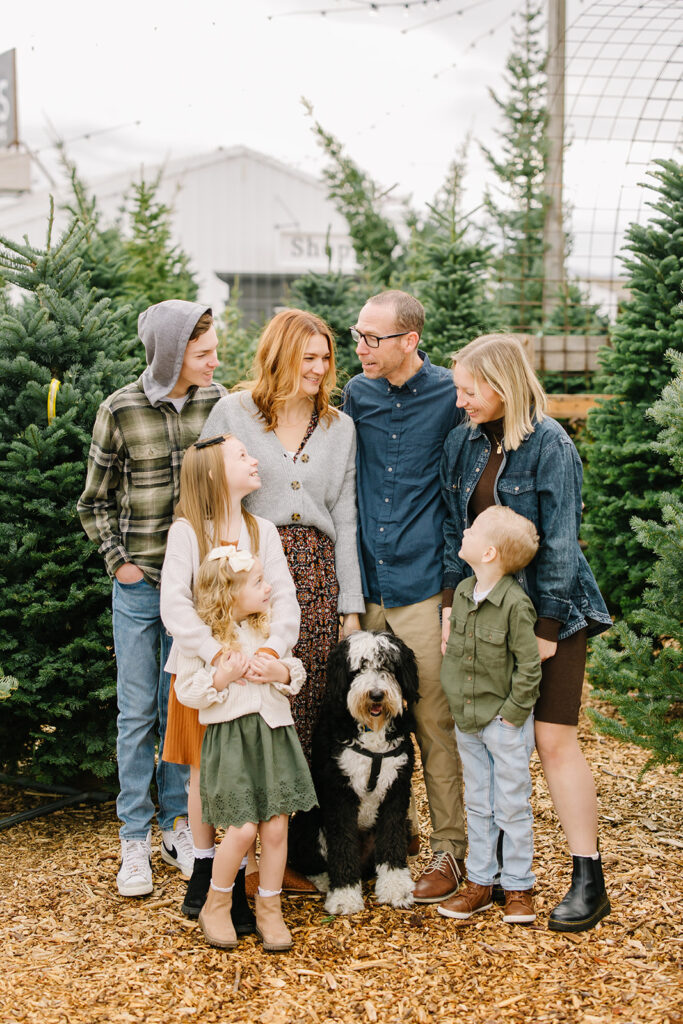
[{"x": 362, "y": 765}]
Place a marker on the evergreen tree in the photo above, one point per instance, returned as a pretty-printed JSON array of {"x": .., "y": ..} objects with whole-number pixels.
[
  {"x": 519, "y": 213},
  {"x": 622, "y": 478},
  {"x": 448, "y": 270},
  {"x": 136, "y": 267},
  {"x": 360, "y": 199},
  {"x": 59, "y": 720},
  {"x": 519, "y": 208},
  {"x": 236, "y": 344},
  {"x": 643, "y": 675},
  {"x": 156, "y": 268}
]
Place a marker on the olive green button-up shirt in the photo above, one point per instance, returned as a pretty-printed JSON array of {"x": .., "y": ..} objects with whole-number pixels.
[{"x": 491, "y": 665}]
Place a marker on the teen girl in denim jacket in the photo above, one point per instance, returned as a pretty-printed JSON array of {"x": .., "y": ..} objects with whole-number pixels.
[{"x": 509, "y": 452}]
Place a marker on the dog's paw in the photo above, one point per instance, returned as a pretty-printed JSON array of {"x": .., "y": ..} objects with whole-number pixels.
[
  {"x": 348, "y": 900},
  {"x": 321, "y": 882},
  {"x": 394, "y": 886}
]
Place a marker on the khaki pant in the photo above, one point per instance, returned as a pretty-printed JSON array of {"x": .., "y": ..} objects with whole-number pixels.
[{"x": 419, "y": 627}]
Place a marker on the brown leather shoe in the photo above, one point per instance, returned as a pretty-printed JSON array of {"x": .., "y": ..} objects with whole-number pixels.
[
  {"x": 519, "y": 907},
  {"x": 440, "y": 878},
  {"x": 470, "y": 900},
  {"x": 293, "y": 882}
]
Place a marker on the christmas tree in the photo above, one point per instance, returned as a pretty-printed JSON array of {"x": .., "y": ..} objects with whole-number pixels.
[
  {"x": 518, "y": 204},
  {"x": 448, "y": 271},
  {"x": 623, "y": 478},
  {"x": 61, "y": 352},
  {"x": 642, "y": 676},
  {"x": 360, "y": 199}
]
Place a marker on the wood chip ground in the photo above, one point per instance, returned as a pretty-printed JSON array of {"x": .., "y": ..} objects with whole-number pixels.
[{"x": 74, "y": 951}]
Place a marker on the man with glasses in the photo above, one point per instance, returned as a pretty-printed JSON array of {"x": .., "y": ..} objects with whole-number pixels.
[{"x": 403, "y": 408}]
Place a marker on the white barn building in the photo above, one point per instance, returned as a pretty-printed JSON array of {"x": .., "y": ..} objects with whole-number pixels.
[{"x": 237, "y": 213}]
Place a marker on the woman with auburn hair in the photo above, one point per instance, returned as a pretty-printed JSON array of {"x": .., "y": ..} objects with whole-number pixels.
[
  {"x": 307, "y": 456},
  {"x": 510, "y": 452}
]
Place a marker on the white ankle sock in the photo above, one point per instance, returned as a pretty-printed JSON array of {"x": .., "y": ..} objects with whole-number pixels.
[
  {"x": 268, "y": 892},
  {"x": 217, "y": 888},
  {"x": 243, "y": 864},
  {"x": 204, "y": 854}
]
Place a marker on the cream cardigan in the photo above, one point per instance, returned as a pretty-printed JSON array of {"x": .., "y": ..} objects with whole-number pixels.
[
  {"x": 181, "y": 564},
  {"x": 194, "y": 688}
]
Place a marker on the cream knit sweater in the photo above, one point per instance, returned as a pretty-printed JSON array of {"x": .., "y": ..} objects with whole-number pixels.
[{"x": 194, "y": 688}]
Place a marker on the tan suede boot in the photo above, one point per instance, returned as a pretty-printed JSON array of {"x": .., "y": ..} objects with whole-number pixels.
[
  {"x": 215, "y": 920},
  {"x": 270, "y": 927}
]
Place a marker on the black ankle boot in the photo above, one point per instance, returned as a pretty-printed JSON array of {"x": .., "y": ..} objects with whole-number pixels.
[
  {"x": 197, "y": 887},
  {"x": 586, "y": 902},
  {"x": 242, "y": 918}
]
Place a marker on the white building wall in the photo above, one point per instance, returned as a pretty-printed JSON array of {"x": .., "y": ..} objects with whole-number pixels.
[{"x": 235, "y": 212}]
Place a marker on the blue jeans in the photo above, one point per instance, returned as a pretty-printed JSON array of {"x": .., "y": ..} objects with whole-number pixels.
[
  {"x": 142, "y": 689},
  {"x": 495, "y": 764}
]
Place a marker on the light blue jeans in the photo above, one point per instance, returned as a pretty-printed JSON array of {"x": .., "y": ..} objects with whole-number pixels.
[
  {"x": 142, "y": 689},
  {"x": 495, "y": 766}
]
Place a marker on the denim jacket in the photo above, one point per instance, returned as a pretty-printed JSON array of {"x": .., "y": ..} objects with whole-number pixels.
[{"x": 541, "y": 480}]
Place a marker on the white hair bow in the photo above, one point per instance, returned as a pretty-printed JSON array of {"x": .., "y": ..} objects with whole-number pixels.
[{"x": 239, "y": 561}]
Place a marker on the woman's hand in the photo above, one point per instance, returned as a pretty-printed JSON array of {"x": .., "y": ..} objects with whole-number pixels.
[
  {"x": 351, "y": 624},
  {"x": 546, "y": 648},
  {"x": 445, "y": 627},
  {"x": 231, "y": 668},
  {"x": 264, "y": 668}
]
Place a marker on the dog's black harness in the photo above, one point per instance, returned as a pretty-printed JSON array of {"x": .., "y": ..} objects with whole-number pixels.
[{"x": 377, "y": 758}]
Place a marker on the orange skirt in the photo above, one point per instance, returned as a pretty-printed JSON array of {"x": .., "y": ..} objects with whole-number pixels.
[{"x": 184, "y": 733}]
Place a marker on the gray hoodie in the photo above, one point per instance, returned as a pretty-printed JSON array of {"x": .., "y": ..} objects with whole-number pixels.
[{"x": 165, "y": 330}]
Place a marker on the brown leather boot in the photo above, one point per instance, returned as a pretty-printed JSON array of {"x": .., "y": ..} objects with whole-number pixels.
[
  {"x": 270, "y": 927},
  {"x": 215, "y": 920}
]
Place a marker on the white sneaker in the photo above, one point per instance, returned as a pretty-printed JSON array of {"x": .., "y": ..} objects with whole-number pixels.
[
  {"x": 135, "y": 874},
  {"x": 177, "y": 848}
]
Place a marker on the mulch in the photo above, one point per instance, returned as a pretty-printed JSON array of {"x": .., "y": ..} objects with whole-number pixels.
[{"x": 75, "y": 951}]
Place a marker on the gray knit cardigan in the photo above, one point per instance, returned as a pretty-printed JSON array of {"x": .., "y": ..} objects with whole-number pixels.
[{"x": 319, "y": 489}]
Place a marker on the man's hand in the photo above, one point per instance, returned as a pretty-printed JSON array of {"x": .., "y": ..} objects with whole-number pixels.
[
  {"x": 445, "y": 627},
  {"x": 264, "y": 668},
  {"x": 231, "y": 668},
  {"x": 129, "y": 573}
]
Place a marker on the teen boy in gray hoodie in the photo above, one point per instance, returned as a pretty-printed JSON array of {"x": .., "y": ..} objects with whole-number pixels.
[{"x": 140, "y": 435}]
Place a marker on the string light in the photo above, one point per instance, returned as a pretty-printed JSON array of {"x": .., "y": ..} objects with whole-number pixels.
[{"x": 373, "y": 8}]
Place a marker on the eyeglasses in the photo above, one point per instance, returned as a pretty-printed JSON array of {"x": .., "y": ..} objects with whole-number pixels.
[
  {"x": 372, "y": 340},
  {"x": 209, "y": 441}
]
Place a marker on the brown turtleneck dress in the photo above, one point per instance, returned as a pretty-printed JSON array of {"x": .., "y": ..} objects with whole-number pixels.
[{"x": 562, "y": 675}]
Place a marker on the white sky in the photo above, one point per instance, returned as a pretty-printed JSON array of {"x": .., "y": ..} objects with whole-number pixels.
[{"x": 152, "y": 79}]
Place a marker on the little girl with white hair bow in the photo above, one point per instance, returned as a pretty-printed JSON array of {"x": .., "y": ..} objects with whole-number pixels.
[{"x": 253, "y": 771}]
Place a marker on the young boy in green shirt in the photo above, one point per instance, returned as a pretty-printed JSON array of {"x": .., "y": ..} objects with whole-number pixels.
[{"x": 491, "y": 674}]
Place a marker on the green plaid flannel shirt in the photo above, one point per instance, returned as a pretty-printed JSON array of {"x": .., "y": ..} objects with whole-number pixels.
[{"x": 133, "y": 479}]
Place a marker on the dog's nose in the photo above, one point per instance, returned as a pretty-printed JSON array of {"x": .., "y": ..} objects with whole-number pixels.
[{"x": 376, "y": 696}]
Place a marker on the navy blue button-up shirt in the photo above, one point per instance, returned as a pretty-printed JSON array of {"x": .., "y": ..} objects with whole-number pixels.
[{"x": 400, "y": 434}]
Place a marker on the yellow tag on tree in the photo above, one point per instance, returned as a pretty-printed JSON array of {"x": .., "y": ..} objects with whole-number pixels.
[{"x": 52, "y": 399}]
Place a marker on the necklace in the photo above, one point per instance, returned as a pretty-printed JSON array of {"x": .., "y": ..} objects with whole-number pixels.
[{"x": 498, "y": 441}]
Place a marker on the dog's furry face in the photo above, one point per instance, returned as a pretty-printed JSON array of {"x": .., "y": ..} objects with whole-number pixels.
[{"x": 381, "y": 676}]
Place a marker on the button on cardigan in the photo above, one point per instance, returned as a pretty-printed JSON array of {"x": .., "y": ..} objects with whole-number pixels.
[{"x": 318, "y": 489}]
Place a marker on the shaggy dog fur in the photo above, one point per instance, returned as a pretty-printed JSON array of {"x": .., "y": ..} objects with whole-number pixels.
[{"x": 362, "y": 766}]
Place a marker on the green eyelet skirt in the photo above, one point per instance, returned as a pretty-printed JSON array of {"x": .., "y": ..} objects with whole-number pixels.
[{"x": 250, "y": 772}]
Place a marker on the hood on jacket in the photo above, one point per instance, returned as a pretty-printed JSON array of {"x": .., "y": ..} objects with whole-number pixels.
[{"x": 165, "y": 330}]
